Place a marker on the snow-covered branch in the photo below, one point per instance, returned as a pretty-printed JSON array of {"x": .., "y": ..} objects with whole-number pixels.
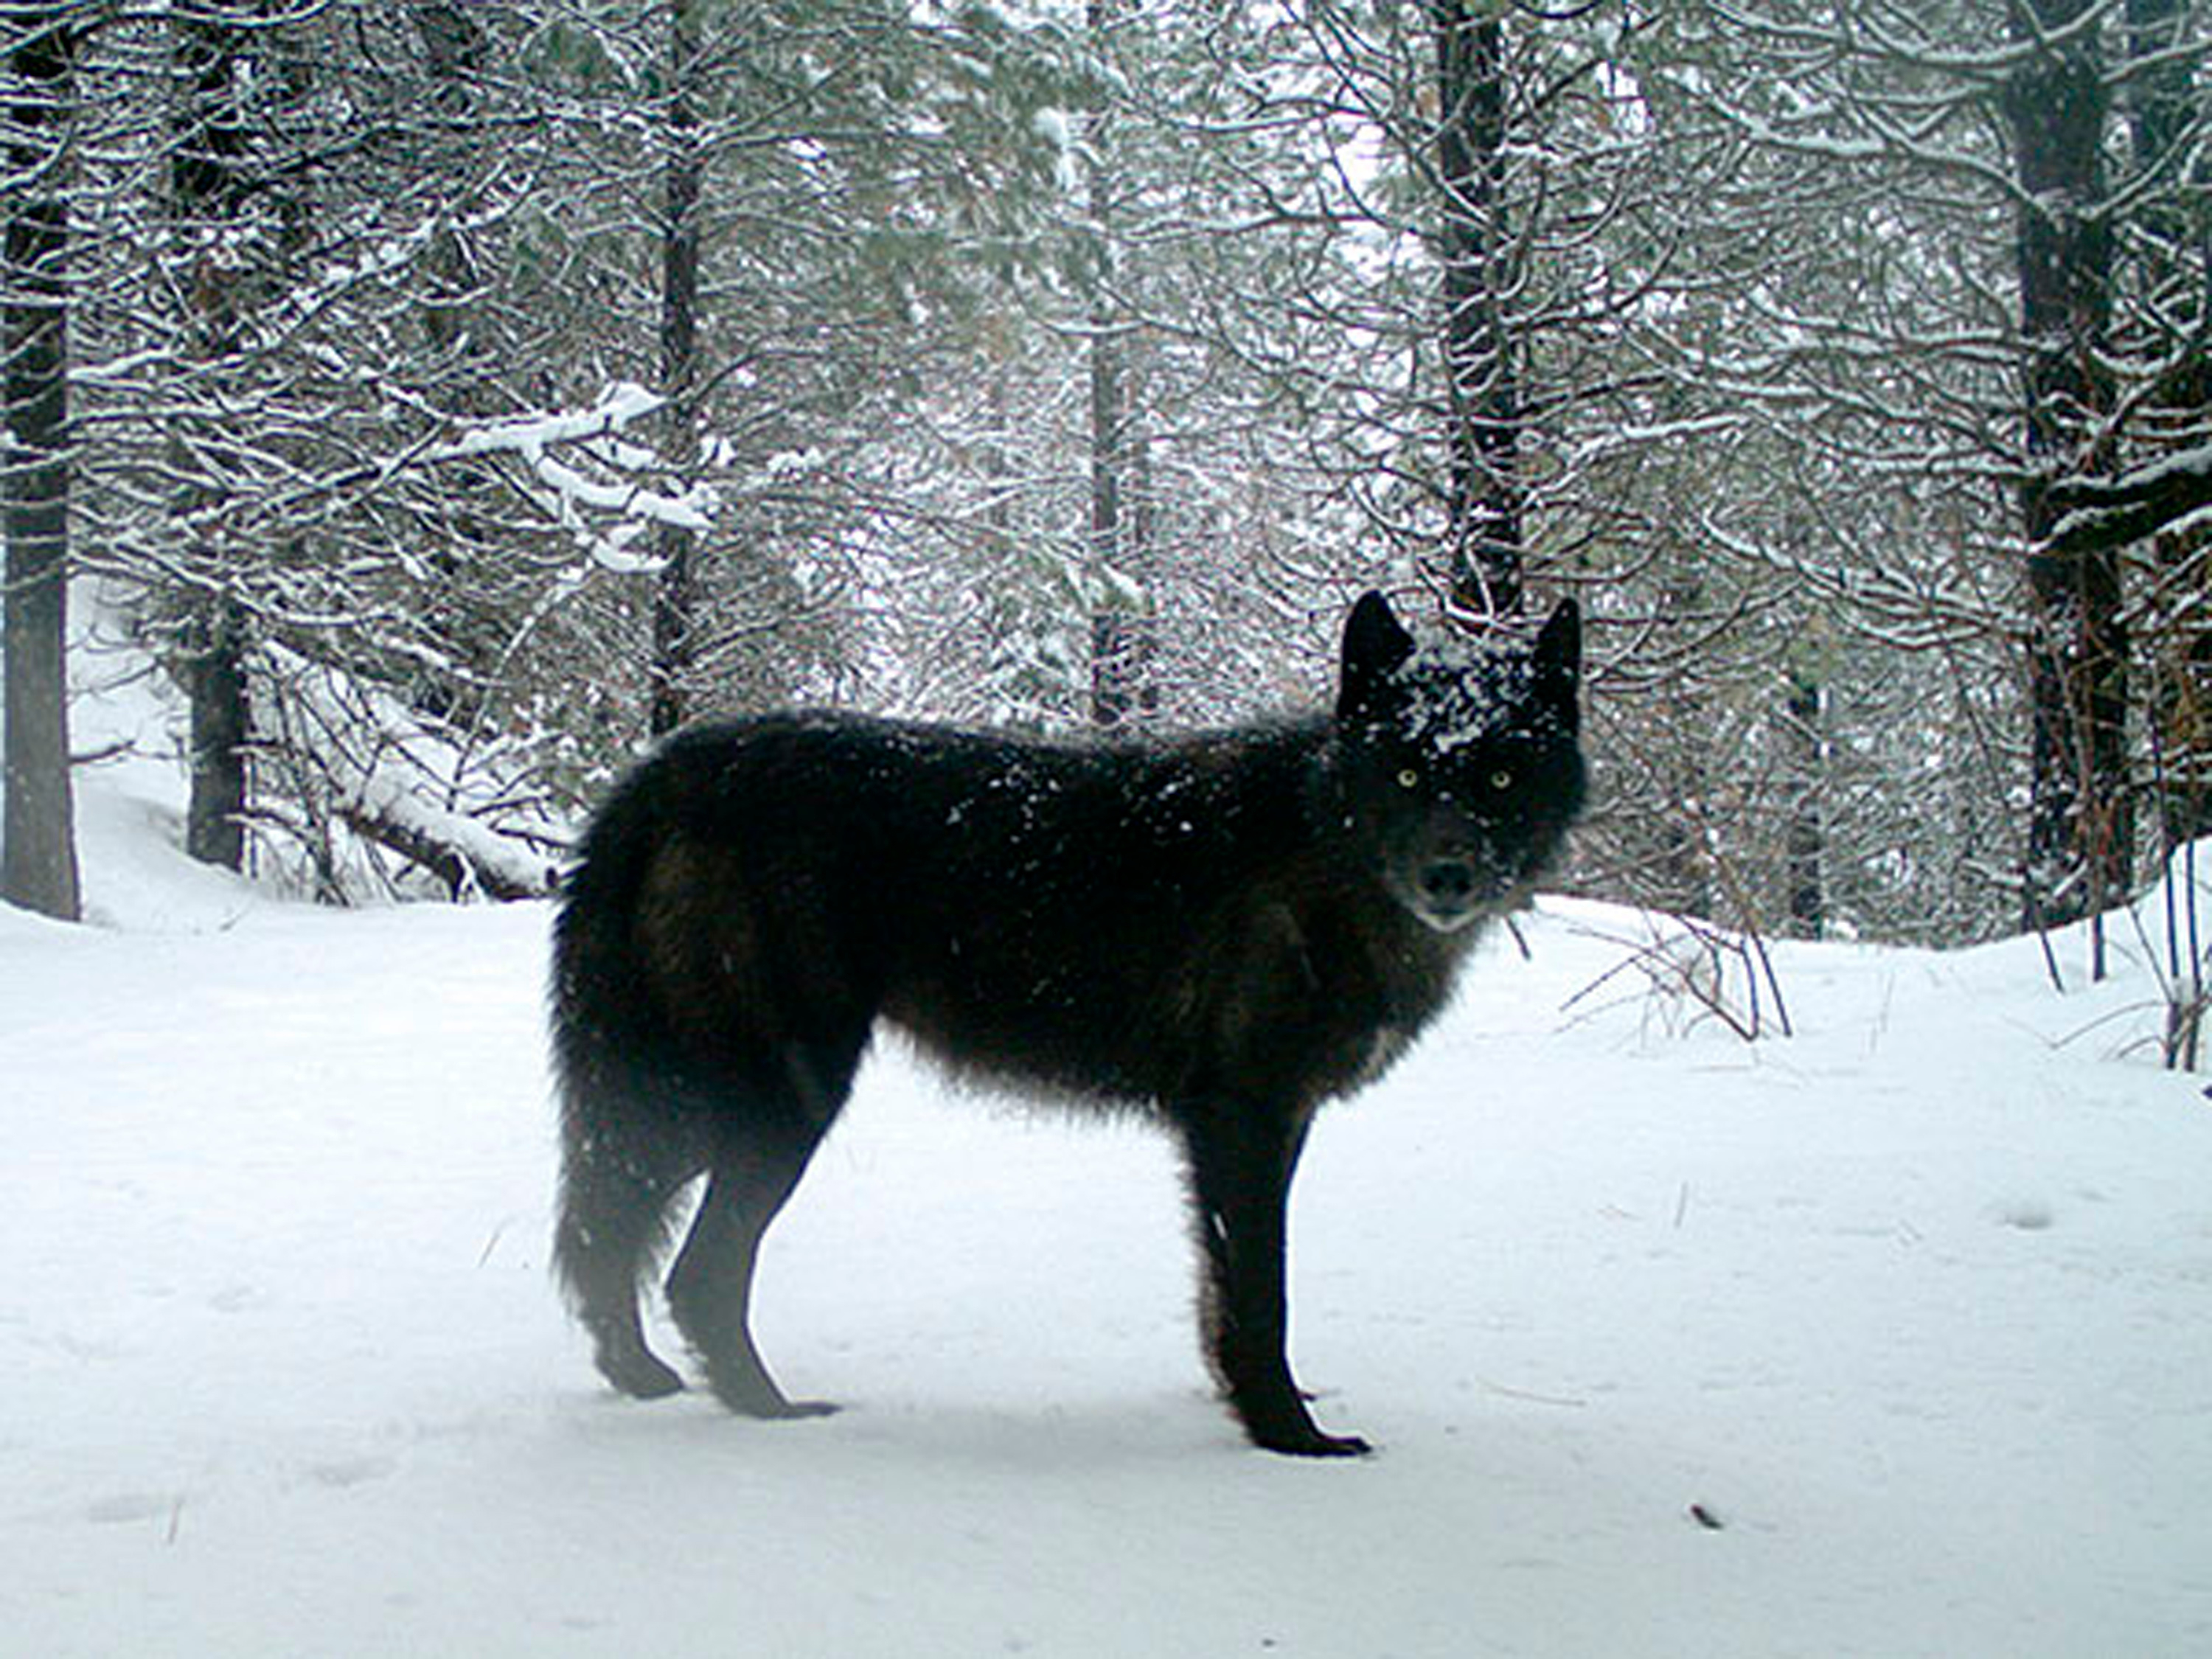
[
  {"x": 359, "y": 757},
  {"x": 2102, "y": 514}
]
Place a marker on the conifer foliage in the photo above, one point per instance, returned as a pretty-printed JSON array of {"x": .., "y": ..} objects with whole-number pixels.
[{"x": 450, "y": 396}]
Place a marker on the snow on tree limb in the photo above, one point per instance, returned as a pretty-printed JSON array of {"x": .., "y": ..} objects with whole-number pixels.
[
  {"x": 381, "y": 772},
  {"x": 602, "y": 480},
  {"x": 2102, "y": 514}
]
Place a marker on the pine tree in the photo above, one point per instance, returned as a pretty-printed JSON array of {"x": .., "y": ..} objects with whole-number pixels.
[{"x": 38, "y": 861}]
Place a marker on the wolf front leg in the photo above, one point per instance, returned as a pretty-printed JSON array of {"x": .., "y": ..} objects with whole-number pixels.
[{"x": 1242, "y": 1158}]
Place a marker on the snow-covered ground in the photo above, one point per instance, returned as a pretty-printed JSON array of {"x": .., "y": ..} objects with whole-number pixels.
[{"x": 1915, "y": 1305}]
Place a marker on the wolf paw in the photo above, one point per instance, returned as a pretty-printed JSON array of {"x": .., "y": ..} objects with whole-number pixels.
[
  {"x": 640, "y": 1375},
  {"x": 1299, "y": 1438},
  {"x": 752, "y": 1395},
  {"x": 792, "y": 1410},
  {"x": 1314, "y": 1443}
]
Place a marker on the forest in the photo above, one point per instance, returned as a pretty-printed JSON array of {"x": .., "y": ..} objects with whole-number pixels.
[
  {"x": 413, "y": 408},
  {"x": 449, "y": 398}
]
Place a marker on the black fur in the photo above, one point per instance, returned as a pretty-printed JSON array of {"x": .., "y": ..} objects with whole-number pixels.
[{"x": 1222, "y": 930}]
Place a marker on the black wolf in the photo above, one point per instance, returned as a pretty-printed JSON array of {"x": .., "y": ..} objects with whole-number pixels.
[{"x": 1221, "y": 931}]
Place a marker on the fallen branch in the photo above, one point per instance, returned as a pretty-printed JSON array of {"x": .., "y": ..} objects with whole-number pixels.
[{"x": 504, "y": 879}]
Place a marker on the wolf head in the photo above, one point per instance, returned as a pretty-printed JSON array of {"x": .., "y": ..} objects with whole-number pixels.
[{"x": 1459, "y": 759}]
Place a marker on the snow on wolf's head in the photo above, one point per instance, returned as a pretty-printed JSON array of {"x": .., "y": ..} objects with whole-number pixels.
[{"x": 1460, "y": 760}]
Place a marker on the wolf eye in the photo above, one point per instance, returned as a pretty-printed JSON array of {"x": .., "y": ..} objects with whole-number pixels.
[
  {"x": 1502, "y": 779},
  {"x": 1409, "y": 779}
]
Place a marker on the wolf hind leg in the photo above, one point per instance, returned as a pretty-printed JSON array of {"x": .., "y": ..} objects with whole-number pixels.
[
  {"x": 762, "y": 1150},
  {"x": 710, "y": 1286}
]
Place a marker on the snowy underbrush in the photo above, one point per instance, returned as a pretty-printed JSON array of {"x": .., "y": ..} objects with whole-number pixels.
[
  {"x": 357, "y": 796},
  {"x": 2168, "y": 938},
  {"x": 2130, "y": 985}
]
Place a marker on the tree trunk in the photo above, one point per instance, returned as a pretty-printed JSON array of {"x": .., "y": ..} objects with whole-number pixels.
[
  {"x": 453, "y": 52},
  {"x": 1804, "y": 839},
  {"x": 2080, "y": 832},
  {"x": 38, "y": 863},
  {"x": 459, "y": 867},
  {"x": 209, "y": 190},
  {"x": 1119, "y": 625},
  {"x": 215, "y": 680},
  {"x": 2161, "y": 98},
  {"x": 675, "y": 599},
  {"x": 1115, "y": 689},
  {"x": 215, "y": 683},
  {"x": 1483, "y": 398}
]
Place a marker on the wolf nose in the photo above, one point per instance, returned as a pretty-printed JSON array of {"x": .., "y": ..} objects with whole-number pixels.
[{"x": 1448, "y": 882}]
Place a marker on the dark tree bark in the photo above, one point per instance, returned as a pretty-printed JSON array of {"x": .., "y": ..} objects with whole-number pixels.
[
  {"x": 1483, "y": 406},
  {"x": 213, "y": 675},
  {"x": 675, "y": 599},
  {"x": 1121, "y": 687},
  {"x": 1805, "y": 841},
  {"x": 208, "y": 190},
  {"x": 2169, "y": 275},
  {"x": 2102, "y": 514},
  {"x": 2079, "y": 836},
  {"x": 38, "y": 866},
  {"x": 454, "y": 50},
  {"x": 1110, "y": 698}
]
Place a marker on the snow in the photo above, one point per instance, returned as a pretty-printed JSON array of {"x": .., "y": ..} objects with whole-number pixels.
[
  {"x": 1911, "y": 1304},
  {"x": 582, "y": 500},
  {"x": 619, "y": 405},
  {"x": 401, "y": 774}
]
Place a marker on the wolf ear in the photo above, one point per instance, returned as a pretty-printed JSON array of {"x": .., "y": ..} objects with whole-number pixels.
[
  {"x": 1558, "y": 661},
  {"x": 1376, "y": 646}
]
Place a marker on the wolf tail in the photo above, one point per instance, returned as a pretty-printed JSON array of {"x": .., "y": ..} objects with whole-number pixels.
[{"x": 622, "y": 1156}]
